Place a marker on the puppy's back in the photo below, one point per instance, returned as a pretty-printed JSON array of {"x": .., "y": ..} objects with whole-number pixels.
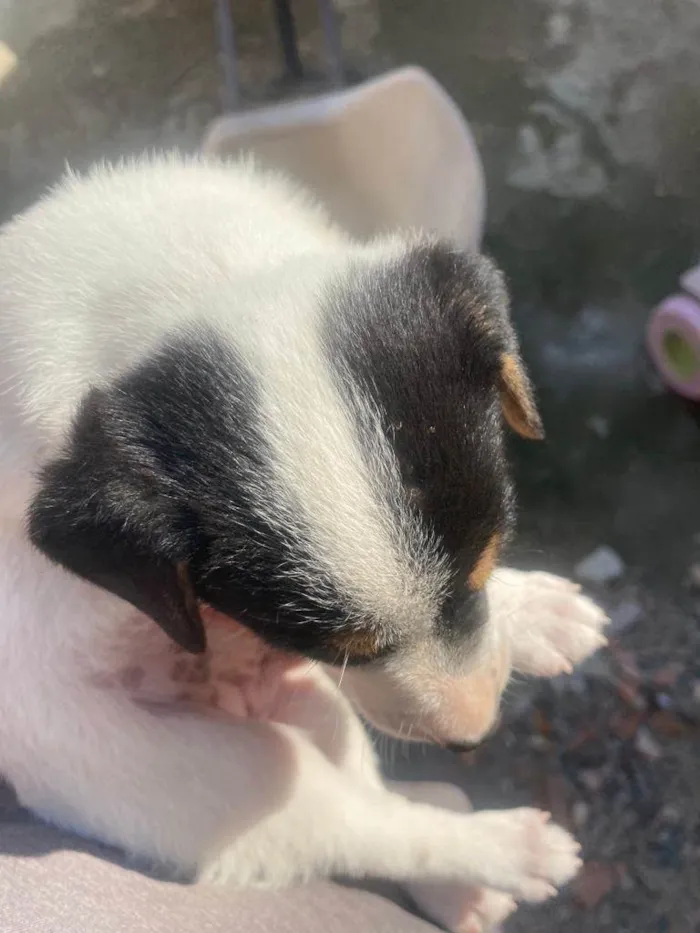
[{"x": 94, "y": 275}]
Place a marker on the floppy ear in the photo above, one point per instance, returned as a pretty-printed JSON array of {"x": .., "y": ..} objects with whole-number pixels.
[
  {"x": 107, "y": 511},
  {"x": 486, "y": 296},
  {"x": 517, "y": 398}
]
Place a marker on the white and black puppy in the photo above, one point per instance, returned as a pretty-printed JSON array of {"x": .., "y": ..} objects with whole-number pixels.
[{"x": 221, "y": 415}]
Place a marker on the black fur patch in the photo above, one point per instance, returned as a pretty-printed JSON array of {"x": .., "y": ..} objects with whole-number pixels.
[
  {"x": 423, "y": 338},
  {"x": 156, "y": 496},
  {"x": 160, "y": 472}
]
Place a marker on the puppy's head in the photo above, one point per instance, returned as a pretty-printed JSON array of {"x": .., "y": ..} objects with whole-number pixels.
[{"x": 336, "y": 481}]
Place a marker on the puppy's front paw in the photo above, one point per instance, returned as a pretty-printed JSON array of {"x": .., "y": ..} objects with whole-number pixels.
[
  {"x": 553, "y": 625},
  {"x": 458, "y": 907},
  {"x": 525, "y": 855}
]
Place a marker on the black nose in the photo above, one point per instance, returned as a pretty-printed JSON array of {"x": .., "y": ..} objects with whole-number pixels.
[{"x": 458, "y": 748}]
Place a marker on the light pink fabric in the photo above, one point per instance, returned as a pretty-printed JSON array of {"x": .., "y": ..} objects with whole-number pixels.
[{"x": 51, "y": 882}]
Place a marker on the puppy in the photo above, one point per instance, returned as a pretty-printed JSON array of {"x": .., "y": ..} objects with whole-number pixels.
[{"x": 243, "y": 457}]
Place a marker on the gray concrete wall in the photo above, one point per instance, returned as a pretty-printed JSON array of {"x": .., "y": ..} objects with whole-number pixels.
[{"x": 587, "y": 110}]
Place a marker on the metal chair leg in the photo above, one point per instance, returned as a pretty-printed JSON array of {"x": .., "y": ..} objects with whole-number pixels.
[
  {"x": 331, "y": 33},
  {"x": 226, "y": 34},
  {"x": 287, "y": 31}
]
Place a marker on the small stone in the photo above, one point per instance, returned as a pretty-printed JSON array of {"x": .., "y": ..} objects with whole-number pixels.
[
  {"x": 630, "y": 694},
  {"x": 8, "y": 61},
  {"x": 595, "y": 881},
  {"x": 625, "y": 724},
  {"x": 592, "y": 779},
  {"x": 646, "y": 744},
  {"x": 627, "y": 665},
  {"x": 672, "y": 725},
  {"x": 666, "y": 677},
  {"x": 624, "y": 616},
  {"x": 557, "y": 797},
  {"x": 600, "y": 567},
  {"x": 558, "y": 28},
  {"x": 579, "y": 814},
  {"x": 694, "y": 577},
  {"x": 597, "y": 667},
  {"x": 625, "y": 880},
  {"x": 599, "y": 425}
]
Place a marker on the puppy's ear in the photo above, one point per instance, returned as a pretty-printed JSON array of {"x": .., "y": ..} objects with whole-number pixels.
[
  {"x": 486, "y": 297},
  {"x": 517, "y": 397},
  {"x": 107, "y": 511}
]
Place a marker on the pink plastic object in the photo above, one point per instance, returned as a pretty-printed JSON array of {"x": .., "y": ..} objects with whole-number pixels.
[{"x": 673, "y": 338}]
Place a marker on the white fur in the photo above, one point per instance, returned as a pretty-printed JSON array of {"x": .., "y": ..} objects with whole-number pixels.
[{"x": 86, "y": 290}]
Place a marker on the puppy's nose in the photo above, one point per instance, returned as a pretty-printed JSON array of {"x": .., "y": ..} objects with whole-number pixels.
[
  {"x": 458, "y": 748},
  {"x": 461, "y": 748}
]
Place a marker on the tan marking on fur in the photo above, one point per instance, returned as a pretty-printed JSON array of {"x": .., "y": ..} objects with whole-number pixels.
[
  {"x": 517, "y": 400},
  {"x": 484, "y": 567}
]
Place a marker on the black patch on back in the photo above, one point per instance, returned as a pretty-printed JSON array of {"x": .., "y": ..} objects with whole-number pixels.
[{"x": 422, "y": 337}]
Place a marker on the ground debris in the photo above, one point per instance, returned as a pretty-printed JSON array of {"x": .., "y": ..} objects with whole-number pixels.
[
  {"x": 602, "y": 566},
  {"x": 613, "y": 754},
  {"x": 595, "y": 881}
]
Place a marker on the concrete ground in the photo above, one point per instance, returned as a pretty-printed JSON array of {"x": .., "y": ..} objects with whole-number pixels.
[{"x": 588, "y": 117}]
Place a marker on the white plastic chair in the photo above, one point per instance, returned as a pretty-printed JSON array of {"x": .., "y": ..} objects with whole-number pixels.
[{"x": 392, "y": 152}]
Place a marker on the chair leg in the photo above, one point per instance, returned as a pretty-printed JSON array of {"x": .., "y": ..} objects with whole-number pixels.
[
  {"x": 287, "y": 31},
  {"x": 226, "y": 35},
  {"x": 331, "y": 32}
]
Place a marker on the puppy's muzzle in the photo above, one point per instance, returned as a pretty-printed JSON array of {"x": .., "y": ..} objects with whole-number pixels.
[{"x": 461, "y": 748}]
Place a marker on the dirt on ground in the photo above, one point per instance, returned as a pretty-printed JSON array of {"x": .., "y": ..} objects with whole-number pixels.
[{"x": 612, "y": 753}]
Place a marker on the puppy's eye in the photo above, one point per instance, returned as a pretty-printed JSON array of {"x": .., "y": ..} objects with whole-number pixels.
[{"x": 357, "y": 646}]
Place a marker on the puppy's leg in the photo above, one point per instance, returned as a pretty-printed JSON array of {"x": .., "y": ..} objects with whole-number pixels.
[
  {"x": 331, "y": 824},
  {"x": 550, "y": 625},
  {"x": 458, "y": 907},
  {"x": 250, "y": 803},
  {"x": 327, "y": 717}
]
